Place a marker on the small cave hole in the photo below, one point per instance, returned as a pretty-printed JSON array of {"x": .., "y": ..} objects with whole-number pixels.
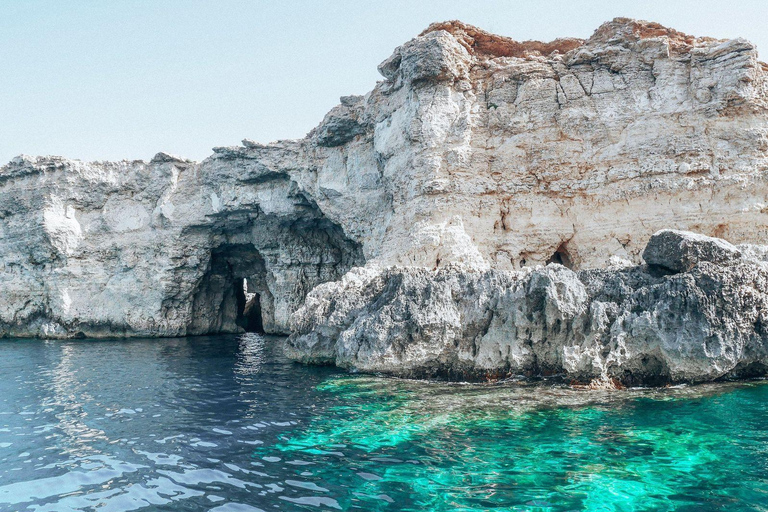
[
  {"x": 248, "y": 308},
  {"x": 561, "y": 257}
]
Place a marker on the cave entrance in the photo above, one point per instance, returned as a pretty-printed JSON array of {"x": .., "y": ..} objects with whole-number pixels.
[
  {"x": 248, "y": 307},
  {"x": 258, "y": 273},
  {"x": 233, "y": 295},
  {"x": 561, "y": 257}
]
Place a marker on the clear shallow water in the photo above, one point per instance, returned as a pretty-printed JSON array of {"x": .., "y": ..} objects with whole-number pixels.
[{"x": 226, "y": 424}]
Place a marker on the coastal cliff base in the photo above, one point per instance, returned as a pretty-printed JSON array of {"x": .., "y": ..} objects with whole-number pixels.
[{"x": 697, "y": 311}]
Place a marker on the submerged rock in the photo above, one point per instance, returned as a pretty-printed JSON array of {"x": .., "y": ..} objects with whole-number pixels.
[{"x": 625, "y": 324}]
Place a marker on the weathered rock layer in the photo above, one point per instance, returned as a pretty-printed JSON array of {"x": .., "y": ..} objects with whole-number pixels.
[
  {"x": 634, "y": 325},
  {"x": 475, "y": 149}
]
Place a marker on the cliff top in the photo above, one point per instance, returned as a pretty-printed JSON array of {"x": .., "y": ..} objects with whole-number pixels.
[{"x": 481, "y": 43}]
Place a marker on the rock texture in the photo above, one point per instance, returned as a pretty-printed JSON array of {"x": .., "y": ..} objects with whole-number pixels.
[
  {"x": 628, "y": 325},
  {"x": 502, "y": 154},
  {"x": 475, "y": 149}
]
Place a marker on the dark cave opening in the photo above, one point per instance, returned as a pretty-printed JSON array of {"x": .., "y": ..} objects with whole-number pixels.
[
  {"x": 248, "y": 307},
  {"x": 233, "y": 295},
  {"x": 561, "y": 257}
]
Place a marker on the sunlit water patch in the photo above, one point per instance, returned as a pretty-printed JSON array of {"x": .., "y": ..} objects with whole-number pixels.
[{"x": 227, "y": 424}]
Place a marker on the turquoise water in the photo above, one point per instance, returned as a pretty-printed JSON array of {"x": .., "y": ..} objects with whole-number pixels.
[{"x": 227, "y": 424}]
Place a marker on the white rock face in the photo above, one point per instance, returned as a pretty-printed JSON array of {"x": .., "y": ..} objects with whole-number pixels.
[
  {"x": 475, "y": 150},
  {"x": 631, "y": 325},
  {"x": 572, "y": 151},
  {"x": 157, "y": 249}
]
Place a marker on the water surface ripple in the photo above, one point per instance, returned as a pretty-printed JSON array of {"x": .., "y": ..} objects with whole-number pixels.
[{"x": 226, "y": 424}]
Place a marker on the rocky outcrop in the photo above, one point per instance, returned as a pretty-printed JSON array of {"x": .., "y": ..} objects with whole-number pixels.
[
  {"x": 475, "y": 150},
  {"x": 627, "y": 325},
  {"x": 159, "y": 248}
]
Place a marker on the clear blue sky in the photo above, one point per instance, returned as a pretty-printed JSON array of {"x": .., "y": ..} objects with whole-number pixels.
[{"x": 109, "y": 79}]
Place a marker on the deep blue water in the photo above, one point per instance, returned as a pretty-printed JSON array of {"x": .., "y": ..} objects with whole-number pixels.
[{"x": 227, "y": 424}]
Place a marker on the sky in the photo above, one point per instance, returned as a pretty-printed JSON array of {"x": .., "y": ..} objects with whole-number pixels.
[{"x": 125, "y": 79}]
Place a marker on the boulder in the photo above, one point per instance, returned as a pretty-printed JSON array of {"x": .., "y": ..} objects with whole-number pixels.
[{"x": 680, "y": 251}]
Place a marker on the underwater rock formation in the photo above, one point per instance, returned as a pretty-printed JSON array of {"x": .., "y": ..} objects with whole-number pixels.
[
  {"x": 475, "y": 149},
  {"x": 634, "y": 325}
]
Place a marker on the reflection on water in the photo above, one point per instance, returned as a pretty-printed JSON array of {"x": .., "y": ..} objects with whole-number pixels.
[{"x": 227, "y": 424}]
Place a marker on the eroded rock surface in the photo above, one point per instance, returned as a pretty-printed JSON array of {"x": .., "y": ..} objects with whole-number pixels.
[
  {"x": 475, "y": 149},
  {"x": 624, "y": 325}
]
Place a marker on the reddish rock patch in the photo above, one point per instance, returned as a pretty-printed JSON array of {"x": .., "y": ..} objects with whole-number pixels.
[{"x": 481, "y": 43}]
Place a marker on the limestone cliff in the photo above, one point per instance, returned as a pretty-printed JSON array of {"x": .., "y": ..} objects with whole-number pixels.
[{"x": 474, "y": 149}]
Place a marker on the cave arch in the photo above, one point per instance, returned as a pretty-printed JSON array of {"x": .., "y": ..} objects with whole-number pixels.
[{"x": 263, "y": 265}]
